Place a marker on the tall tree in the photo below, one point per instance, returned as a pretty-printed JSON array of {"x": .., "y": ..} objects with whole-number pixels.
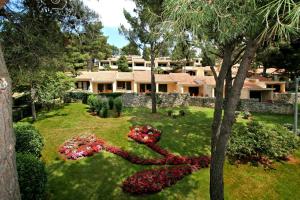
[
  {"x": 282, "y": 55},
  {"x": 123, "y": 64},
  {"x": 9, "y": 187},
  {"x": 115, "y": 50},
  {"x": 237, "y": 28},
  {"x": 146, "y": 31},
  {"x": 130, "y": 49}
]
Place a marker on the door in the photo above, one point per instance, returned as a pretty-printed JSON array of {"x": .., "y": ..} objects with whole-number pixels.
[{"x": 194, "y": 91}]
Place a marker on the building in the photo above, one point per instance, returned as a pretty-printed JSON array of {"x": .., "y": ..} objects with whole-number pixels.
[
  {"x": 165, "y": 64},
  {"x": 183, "y": 83}
]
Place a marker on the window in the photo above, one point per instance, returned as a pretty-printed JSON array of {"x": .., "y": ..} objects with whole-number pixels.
[
  {"x": 100, "y": 87},
  {"x": 128, "y": 85},
  {"x": 145, "y": 87},
  {"x": 109, "y": 87},
  {"x": 163, "y": 88},
  {"x": 104, "y": 87},
  {"x": 124, "y": 85}
]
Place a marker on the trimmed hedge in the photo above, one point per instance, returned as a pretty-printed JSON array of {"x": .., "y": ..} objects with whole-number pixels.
[
  {"x": 32, "y": 176},
  {"x": 28, "y": 139}
]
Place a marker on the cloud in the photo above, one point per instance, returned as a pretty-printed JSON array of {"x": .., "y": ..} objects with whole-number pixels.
[{"x": 111, "y": 11}]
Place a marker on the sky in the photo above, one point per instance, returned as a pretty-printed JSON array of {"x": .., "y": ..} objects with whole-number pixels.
[{"x": 111, "y": 16}]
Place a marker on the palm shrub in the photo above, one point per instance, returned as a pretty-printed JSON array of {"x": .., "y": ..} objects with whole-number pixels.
[
  {"x": 111, "y": 103},
  {"x": 104, "y": 110},
  {"x": 32, "y": 176},
  {"x": 91, "y": 101},
  {"x": 254, "y": 141},
  {"x": 118, "y": 106},
  {"x": 28, "y": 139}
]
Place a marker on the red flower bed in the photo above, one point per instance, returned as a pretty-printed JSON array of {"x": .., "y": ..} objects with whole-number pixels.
[
  {"x": 147, "y": 181},
  {"x": 144, "y": 134},
  {"x": 152, "y": 181},
  {"x": 82, "y": 146}
]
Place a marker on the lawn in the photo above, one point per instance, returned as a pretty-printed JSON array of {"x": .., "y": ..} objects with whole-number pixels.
[{"x": 100, "y": 176}]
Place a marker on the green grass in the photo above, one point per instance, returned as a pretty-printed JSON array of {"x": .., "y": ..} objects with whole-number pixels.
[{"x": 100, "y": 176}]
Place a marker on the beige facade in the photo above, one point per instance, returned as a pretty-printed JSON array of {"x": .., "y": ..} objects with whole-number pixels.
[
  {"x": 165, "y": 64},
  {"x": 183, "y": 83}
]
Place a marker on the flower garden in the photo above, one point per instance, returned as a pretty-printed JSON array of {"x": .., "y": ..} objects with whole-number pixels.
[
  {"x": 146, "y": 181},
  {"x": 97, "y": 173}
]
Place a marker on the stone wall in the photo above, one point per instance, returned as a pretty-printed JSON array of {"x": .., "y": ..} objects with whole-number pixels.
[
  {"x": 163, "y": 100},
  {"x": 179, "y": 100},
  {"x": 285, "y": 98}
]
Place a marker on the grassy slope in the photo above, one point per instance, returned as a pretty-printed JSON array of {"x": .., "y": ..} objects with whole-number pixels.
[{"x": 100, "y": 176}]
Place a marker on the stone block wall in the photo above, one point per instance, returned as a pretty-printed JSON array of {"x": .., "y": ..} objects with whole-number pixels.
[{"x": 180, "y": 100}]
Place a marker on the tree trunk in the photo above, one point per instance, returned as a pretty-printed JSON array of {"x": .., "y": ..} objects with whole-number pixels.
[
  {"x": 32, "y": 99},
  {"x": 265, "y": 71},
  {"x": 222, "y": 126},
  {"x": 153, "y": 84},
  {"x": 9, "y": 187},
  {"x": 90, "y": 64}
]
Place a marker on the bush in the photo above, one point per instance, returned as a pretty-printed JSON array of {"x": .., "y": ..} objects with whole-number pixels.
[
  {"x": 255, "y": 141},
  {"x": 98, "y": 104},
  {"x": 111, "y": 103},
  {"x": 118, "y": 105},
  {"x": 170, "y": 112},
  {"x": 91, "y": 101},
  {"x": 182, "y": 113},
  {"x": 28, "y": 139},
  {"x": 246, "y": 115},
  {"x": 78, "y": 96},
  {"x": 104, "y": 110},
  {"x": 32, "y": 176}
]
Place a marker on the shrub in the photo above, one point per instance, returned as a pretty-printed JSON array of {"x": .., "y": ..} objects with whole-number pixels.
[
  {"x": 170, "y": 112},
  {"x": 182, "y": 113},
  {"x": 28, "y": 139},
  {"x": 98, "y": 104},
  {"x": 78, "y": 96},
  {"x": 289, "y": 126},
  {"x": 255, "y": 141},
  {"x": 91, "y": 101},
  {"x": 246, "y": 115},
  {"x": 104, "y": 110},
  {"x": 32, "y": 176},
  {"x": 118, "y": 105},
  {"x": 111, "y": 103}
]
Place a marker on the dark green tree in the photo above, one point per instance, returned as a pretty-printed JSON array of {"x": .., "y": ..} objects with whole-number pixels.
[
  {"x": 237, "y": 29},
  {"x": 123, "y": 64},
  {"x": 282, "y": 55},
  {"x": 130, "y": 49},
  {"x": 146, "y": 31}
]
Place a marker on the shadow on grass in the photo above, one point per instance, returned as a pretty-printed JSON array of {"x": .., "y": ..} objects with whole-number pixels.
[
  {"x": 101, "y": 176},
  {"x": 185, "y": 135},
  {"x": 46, "y": 114}
]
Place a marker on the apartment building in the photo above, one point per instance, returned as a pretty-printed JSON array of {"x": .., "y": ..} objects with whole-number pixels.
[
  {"x": 183, "y": 83},
  {"x": 165, "y": 64}
]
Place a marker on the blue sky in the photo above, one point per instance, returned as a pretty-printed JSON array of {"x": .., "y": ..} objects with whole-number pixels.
[
  {"x": 114, "y": 37},
  {"x": 111, "y": 16}
]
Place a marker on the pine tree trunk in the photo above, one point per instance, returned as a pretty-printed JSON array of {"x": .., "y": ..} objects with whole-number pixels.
[
  {"x": 9, "y": 187},
  {"x": 222, "y": 126},
  {"x": 153, "y": 84},
  {"x": 90, "y": 64},
  {"x": 32, "y": 99}
]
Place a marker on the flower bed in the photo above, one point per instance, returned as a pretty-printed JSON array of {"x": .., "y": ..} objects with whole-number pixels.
[
  {"x": 144, "y": 134},
  {"x": 81, "y": 146},
  {"x": 147, "y": 181},
  {"x": 152, "y": 181}
]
